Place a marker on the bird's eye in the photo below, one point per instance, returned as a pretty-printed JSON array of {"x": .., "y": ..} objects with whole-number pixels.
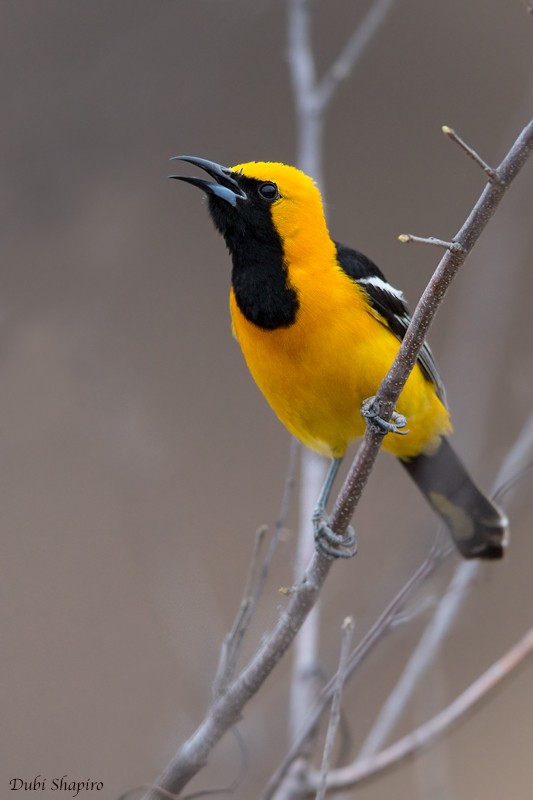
[{"x": 269, "y": 191}]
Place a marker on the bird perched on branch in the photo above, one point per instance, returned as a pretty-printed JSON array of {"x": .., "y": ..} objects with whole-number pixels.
[{"x": 319, "y": 327}]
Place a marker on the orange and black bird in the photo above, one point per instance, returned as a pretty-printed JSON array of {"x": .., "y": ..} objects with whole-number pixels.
[{"x": 319, "y": 327}]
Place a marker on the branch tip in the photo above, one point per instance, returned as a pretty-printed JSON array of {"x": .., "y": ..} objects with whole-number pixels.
[
  {"x": 489, "y": 171},
  {"x": 454, "y": 247},
  {"x": 286, "y": 591}
]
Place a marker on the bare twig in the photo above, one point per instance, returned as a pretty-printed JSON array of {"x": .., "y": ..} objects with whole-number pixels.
[
  {"x": 352, "y": 52},
  {"x": 421, "y": 658},
  {"x": 233, "y": 640},
  {"x": 409, "y": 238},
  {"x": 312, "y": 97},
  {"x": 281, "y": 521},
  {"x": 335, "y": 714},
  {"x": 376, "y": 632},
  {"x": 257, "y": 576},
  {"x": 424, "y": 313},
  {"x": 445, "y": 614},
  {"x": 491, "y": 173},
  {"x": 516, "y": 463},
  {"x": 422, "y": 737},
  {"x": 311, "y": 100},
  {"x": 518, "y": 460}
]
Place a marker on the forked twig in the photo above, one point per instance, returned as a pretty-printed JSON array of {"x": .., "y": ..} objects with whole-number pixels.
[
  {"x": 257, "y": 575},
  {"x": 516, "y": 464},
  {"x": 424, "y": 735},
  {"x": 351, "y": 52}
]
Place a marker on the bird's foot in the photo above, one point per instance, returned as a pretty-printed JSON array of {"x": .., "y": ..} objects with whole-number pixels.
[
  {"x": 370, "y": 409},
  {"x": 330, "y": 544}
]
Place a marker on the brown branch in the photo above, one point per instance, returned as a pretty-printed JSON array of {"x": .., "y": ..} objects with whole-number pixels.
[
  {"x": 226, "y": 709},
  {"x": 352, "y": 52},
  {"x": 233, "y": 640},
  {"x": 257, "y": 575},
  {"x": 360, "y": 652},
  {"x": 348, "y": 777},
  {"x": 517, "y": 462},
  {"x": 491, "y": 173},
  {"x": 425, "y": 311},
  {"x": 409, "y": 238},
  {"x": 335, "y": 715}
]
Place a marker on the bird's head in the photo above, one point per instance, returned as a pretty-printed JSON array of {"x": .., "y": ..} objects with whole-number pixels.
[{"x": 249, "y": 200}]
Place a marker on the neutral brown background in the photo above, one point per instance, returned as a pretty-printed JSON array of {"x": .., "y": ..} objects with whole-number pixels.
[{"x": 138, "y": 457}]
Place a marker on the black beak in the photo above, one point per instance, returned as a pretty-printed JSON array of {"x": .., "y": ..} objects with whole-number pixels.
[{"x": 225, "y": 185}]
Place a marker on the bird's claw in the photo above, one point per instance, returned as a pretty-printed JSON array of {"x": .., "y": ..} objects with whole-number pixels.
[
  {"x": 370, "y": 409},
  {"x": 329, "y": 544}
]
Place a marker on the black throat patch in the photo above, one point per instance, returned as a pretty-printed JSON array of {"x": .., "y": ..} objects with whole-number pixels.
[{"x": 259, "y": 275}]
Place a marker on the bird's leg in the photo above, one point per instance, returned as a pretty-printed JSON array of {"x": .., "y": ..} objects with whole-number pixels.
[
  {"x": 370, "y": 409},
  {"x": 328, "y": 543}
]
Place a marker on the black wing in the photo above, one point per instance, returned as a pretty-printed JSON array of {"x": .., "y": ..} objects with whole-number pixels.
[{"x": 388, "y": 305}]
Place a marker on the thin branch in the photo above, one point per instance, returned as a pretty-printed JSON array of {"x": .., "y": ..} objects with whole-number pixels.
[
  {"x": 257, "y": 576},
  {"x": 421, "y": 658},
  {"x": 423, "y": 736},
  {"x": 335, "y": 715},
  {"x": 281, "y": 521},
  {"x": 518, "y": 459},
  {"x": 394, "y": 381},
  {"x": 365, "y": 646},
  {"x": 515, "y": 465},
  {"x": 446, "y": 612},
  {"x": 409, "y": 238},
  {"x": 232, "y": 642},
  {"x": 352, "y": 52},
  {"x": 491, "y": 173},
  {"x": 312, "y": 97},
  {"x": 225, "y": 711}
]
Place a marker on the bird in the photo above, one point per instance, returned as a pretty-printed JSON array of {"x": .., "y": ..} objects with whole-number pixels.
[{"x": 319, "y": 326}]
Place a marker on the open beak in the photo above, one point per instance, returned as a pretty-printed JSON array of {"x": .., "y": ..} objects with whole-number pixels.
[{"x": 224, "y": 185}]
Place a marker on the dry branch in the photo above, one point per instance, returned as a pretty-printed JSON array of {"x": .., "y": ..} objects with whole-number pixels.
[
  {"x": 312, "y": 96},
  {"x": 422, "y": 737},
  {"x": 335, "y": 714}
]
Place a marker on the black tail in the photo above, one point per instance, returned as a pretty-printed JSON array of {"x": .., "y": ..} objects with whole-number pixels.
[{"x": 478, "y": 527}]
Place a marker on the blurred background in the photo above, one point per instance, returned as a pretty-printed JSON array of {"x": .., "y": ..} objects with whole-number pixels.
[{"x": 138, "y": 457}]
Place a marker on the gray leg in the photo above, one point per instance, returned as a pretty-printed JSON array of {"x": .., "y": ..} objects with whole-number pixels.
[{"x": 328, "y": 543}]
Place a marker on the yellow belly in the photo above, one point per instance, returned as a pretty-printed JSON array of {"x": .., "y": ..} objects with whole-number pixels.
[{"x": 316, "y": 373}]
